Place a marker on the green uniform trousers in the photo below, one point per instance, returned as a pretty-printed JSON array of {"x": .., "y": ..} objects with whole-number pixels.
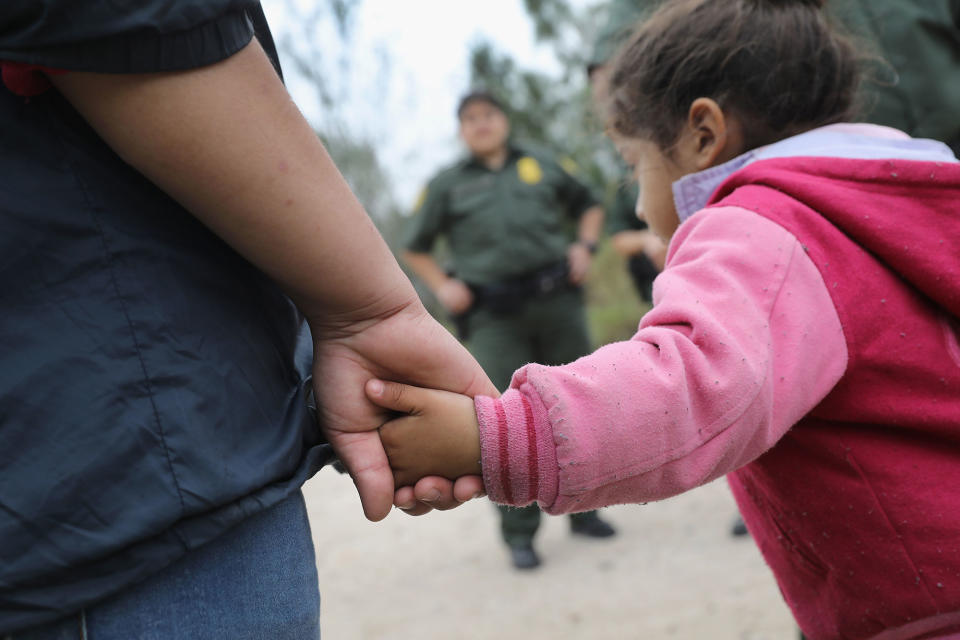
[{"x": 549, "y": 329}]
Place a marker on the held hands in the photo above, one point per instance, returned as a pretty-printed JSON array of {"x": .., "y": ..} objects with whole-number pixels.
[
  {"x": 227, "y": 164},
  {"x": 435, "y": 435},
  {"x": 407, "y": 345}
]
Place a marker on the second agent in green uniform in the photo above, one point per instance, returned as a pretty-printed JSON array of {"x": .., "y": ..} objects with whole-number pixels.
[
  {"x": 629, "y": 236},
  {"x": 645, "y": 252},
  {"x": 507, "y": 214},
  {"x": 915, "y": 85}
]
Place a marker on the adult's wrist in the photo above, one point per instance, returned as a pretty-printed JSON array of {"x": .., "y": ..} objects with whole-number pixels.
[
  {"x": 591, "y": 247},
  {"x": 344, "y": 322}
]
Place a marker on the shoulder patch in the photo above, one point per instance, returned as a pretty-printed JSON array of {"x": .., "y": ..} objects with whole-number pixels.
[{"x": 528, "y": 169}]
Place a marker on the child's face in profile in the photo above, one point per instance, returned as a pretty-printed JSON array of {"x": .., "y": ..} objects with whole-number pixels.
[
  {"x": 655, "y": 173},
  {"x": 709, "y": 137}
]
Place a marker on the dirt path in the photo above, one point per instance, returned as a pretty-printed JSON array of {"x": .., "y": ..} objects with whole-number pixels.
[{"x": 672, "y": 572}]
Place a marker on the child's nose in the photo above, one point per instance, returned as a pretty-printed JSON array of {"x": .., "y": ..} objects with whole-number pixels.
[{"x": 638, "y": 210}]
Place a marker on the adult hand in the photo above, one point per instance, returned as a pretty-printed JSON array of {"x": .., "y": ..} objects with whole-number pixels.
[
  {"x": 579, "y": 258},
  {"x": 655, "y": 249},
  {"x": 405, "y": 345},
  {"x": 454, "y": 295}
]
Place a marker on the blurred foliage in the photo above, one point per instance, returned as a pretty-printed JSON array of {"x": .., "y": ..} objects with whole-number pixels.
[
  {"x": 614, "y": 308},
  {"x": 549, "y": 17},
  {"x": 315, "y": 50},
  {"x": 551, "y": 111},
  {"x": 307, "y": 46}
]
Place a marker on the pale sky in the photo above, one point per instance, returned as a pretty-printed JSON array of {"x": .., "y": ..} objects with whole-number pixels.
[{"x": 407, "y": 68}]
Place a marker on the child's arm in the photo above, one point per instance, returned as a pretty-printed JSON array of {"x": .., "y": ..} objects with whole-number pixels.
[
  {"x": 743, "y": 341},
  {"x": 436, "y": 435}
]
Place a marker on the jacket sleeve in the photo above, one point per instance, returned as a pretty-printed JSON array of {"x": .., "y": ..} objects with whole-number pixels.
[
  {"x": 128, "y": 37},
  {"x": 573, "y": 192},
  {"x": 427, "y": 221},
  {"x": 743, "y": 341},
  {"x": 622, "y": 211}
]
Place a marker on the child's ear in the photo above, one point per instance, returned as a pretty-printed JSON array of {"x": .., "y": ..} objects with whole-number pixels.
[{"x": 712, "y": 136}]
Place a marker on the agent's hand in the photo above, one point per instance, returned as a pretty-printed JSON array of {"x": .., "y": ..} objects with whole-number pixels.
[
  {"x": 436, "y": 435},
  {"x": 655, "y": 249},
  {"x": 455, "y": 296},
  {"x": 579, "y": 259}
]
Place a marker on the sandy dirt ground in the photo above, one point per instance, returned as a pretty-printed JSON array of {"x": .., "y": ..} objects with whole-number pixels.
[{"x": 673, "y": 571}]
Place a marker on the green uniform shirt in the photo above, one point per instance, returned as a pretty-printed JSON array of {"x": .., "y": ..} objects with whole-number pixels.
[
  {"x": 622, "y": 213},
  {"x": 916, "y": 89},
  {"x": 920, "y": 39},
  {"x": 500, "y": 224}
]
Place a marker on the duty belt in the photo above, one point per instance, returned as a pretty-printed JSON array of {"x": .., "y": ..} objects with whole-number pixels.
[{"x": 509, "y": 295}]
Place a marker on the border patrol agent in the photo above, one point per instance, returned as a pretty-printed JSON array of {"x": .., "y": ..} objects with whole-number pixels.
[
  {"x": 515, "y": 294},
  {"x": 917, "y": 86},
  {"x": 644, "y": 252},
  {"x": 629, "y": 236}
]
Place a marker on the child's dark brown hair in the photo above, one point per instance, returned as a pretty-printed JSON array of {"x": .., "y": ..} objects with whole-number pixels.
[{"x": 777, "y": 65}]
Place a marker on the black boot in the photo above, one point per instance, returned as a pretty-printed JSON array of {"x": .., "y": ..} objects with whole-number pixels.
[
  {"x": 739, "y": 528},
  {"x": 523, "y": 556},
  {"x": 591, "y": 527}
]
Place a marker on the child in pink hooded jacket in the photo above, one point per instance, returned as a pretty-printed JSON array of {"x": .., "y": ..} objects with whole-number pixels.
[{"x": 803, "y": 340}]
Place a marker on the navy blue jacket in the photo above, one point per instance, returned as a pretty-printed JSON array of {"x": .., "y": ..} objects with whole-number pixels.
[{"x": 149, "y": 395}]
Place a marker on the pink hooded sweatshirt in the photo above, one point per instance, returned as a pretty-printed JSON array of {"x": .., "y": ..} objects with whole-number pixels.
[{"x": 804, "y": 341}]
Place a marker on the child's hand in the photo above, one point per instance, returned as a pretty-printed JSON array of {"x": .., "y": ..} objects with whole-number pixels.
[{"x": 438, "y": 434}]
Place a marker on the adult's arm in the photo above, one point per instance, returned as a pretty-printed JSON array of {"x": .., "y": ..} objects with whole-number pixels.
[
  {"x": 453, "y": 294},
  {"x": 631, "y": 242},
  {"x": 589, "y": 227},
  {"x": 228, "y": 143}
]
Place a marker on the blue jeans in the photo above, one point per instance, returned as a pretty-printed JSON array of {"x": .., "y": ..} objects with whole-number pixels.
[{"x": 257, "y": 581}]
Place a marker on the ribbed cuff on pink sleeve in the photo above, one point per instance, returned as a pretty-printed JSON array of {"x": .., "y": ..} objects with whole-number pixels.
[{"x": 517, "y": 450}]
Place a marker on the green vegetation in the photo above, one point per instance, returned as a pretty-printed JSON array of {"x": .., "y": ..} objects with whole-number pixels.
[{"x": 613, "y": 307}]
